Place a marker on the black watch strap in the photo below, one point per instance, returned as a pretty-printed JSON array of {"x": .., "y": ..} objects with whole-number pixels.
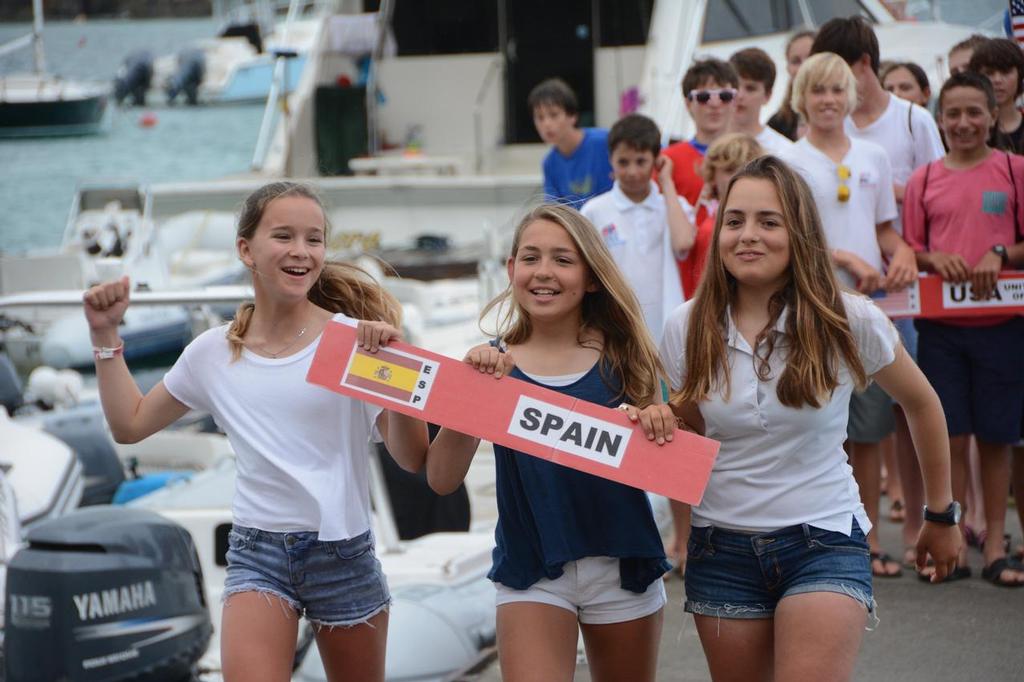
[{"x": 949, "y": 517}]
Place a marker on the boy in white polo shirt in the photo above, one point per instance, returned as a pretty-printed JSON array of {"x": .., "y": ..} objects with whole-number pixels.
[{"x": 644, "y": 230}]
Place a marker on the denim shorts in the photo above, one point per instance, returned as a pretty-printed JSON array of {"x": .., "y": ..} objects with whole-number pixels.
[
  {"x": 590, "y": 588},
  {"x": 331, "y": 583},
  {"x": 733, "y": 574}
]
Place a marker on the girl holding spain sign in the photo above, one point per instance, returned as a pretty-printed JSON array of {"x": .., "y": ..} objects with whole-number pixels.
[
  {"x": 764, "y": 359},
  {"x": 574, "y": 551},
  {"x": 301, "y": 504}
]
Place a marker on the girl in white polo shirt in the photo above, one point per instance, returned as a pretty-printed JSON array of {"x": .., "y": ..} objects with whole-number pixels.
[
  {"x": 764, "y": 359},
  {"x": 300, "y": 543}
]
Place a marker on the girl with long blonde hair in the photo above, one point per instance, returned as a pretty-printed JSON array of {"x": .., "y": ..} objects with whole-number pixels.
[
  {"x": 300, "y": 543},
  {"x": 574, "y": 551},
  {"x": 764, "y": 359}
]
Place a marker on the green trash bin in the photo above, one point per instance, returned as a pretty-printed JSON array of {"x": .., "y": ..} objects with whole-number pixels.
[{"x": 340, "y": 127}]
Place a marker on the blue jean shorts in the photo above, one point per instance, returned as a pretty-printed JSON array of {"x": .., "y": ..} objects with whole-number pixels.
[
  {"x": 331, "y": 583},
  {"x": 733, "y": 574}
]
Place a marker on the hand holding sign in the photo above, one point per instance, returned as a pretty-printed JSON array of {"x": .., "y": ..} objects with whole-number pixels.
[
  {"x": 517, "y": 414},
  {"x": 932, "y": 297},
  {"x": 657, "y": 421}
]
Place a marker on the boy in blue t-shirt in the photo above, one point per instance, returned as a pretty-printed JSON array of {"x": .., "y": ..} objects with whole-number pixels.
[{"x": 577, "y": 166}]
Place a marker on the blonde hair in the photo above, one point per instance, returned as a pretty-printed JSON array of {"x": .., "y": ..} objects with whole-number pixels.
[
  {"x": 818, "y": 69},
  {"x": 341, "y": 287},
  {"x": 729, "y": 152},
  {"x": 613, "y": 309},
  {"x": 817, "y": 330}
]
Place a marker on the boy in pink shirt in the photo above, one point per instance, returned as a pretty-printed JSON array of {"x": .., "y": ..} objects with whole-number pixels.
[{"x": 962, "y": 215}]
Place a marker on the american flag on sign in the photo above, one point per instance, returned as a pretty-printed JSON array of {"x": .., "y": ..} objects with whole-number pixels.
[
  {"x": 905, "y": 303},
  {"x": 1017, "y": 20}
]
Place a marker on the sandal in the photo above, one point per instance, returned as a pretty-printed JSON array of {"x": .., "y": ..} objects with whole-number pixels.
[
  {"x": 886, "y": 561},
  {"x": 896, "y": 512},
  {"x": 994, "y": 572},
  {"x": 959, "y": 573}
]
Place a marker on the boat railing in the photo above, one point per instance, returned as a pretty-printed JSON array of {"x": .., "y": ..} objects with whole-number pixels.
[{"x": 277, "y": 98}]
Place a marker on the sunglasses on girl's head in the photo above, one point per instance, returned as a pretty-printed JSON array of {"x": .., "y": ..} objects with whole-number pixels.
[{"x": 724, "y": 95}]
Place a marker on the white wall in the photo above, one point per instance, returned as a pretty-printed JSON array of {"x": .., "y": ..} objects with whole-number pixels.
[
  {"x": 616, "y": 69},
  {"x": 438, "y": 94}
]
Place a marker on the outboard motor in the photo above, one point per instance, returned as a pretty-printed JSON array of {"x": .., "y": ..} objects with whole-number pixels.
[
  {"x": 104, "y": 593},
  {"x": 11, "y": 396},
  {"x": 191, "y": 68},
  {"x": 84, "y": 430},
  {"x": 134, "y": 77}
]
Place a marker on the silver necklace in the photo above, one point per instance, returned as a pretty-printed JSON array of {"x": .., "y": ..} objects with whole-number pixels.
[{"x": 291, "y": 343}]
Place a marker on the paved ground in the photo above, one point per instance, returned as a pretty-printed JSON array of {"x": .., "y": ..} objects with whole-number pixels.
[{"x": 968, "y": 631}]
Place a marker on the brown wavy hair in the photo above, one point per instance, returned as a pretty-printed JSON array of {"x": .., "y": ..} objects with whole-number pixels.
[
  {"x": 818, "y": 333},
  {"x": 341, "y": 287},
  {"x": 613, "y": 310}
]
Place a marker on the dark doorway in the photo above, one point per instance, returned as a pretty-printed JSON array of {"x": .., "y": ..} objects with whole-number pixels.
[{"x": 546, "y": 39}]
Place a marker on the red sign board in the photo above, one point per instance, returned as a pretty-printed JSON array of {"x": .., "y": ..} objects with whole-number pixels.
[{"x": 517, "y": 414}]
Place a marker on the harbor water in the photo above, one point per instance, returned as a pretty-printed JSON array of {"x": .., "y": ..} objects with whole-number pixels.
[{"x": 38, "y": 176}]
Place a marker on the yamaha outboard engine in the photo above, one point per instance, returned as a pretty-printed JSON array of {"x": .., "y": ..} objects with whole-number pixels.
[
  {"x": 105, "y": 593},
  {"x": 134, "y": 77},
  {"x": 191, "y": 67}
]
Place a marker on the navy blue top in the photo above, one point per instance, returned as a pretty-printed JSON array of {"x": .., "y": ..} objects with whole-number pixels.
[
  {"x": 585, "y": 173},
  {"x": 549, "y": 514}
]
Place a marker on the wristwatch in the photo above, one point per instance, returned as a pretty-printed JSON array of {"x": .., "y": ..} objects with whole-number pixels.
[
  {"x": 949, "y": 517},
  {"x": 1000, "y": 251}
]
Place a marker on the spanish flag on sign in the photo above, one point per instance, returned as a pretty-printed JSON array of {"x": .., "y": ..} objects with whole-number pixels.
[{"x": 384, "y": 373}]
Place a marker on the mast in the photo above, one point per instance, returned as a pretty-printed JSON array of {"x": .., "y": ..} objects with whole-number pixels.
[{"x": 37, "y": 37}]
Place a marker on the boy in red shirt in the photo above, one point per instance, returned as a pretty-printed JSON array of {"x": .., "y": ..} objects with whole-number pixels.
[{"x": 709, "y": 89}]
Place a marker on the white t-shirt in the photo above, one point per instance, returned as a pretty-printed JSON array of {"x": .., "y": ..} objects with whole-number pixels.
[
  {"x": 779, "y": 466},
  {"x": 302, "y": 451},
  {"x": 908, "y": 134},
  {"x": 772, "y": 141},
  {"x": 638, "y": 237},
  {"x": 851, "y": 225}
]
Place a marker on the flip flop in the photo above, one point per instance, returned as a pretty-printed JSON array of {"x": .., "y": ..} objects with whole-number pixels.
[
  {"x": 959, "y": 573},
  {"x": 886, "y": 560},
  {"x": 994, "y": 572}
]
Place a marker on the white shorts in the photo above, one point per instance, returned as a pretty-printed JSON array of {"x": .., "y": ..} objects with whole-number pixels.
[{"x": 590, "y": 588}]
